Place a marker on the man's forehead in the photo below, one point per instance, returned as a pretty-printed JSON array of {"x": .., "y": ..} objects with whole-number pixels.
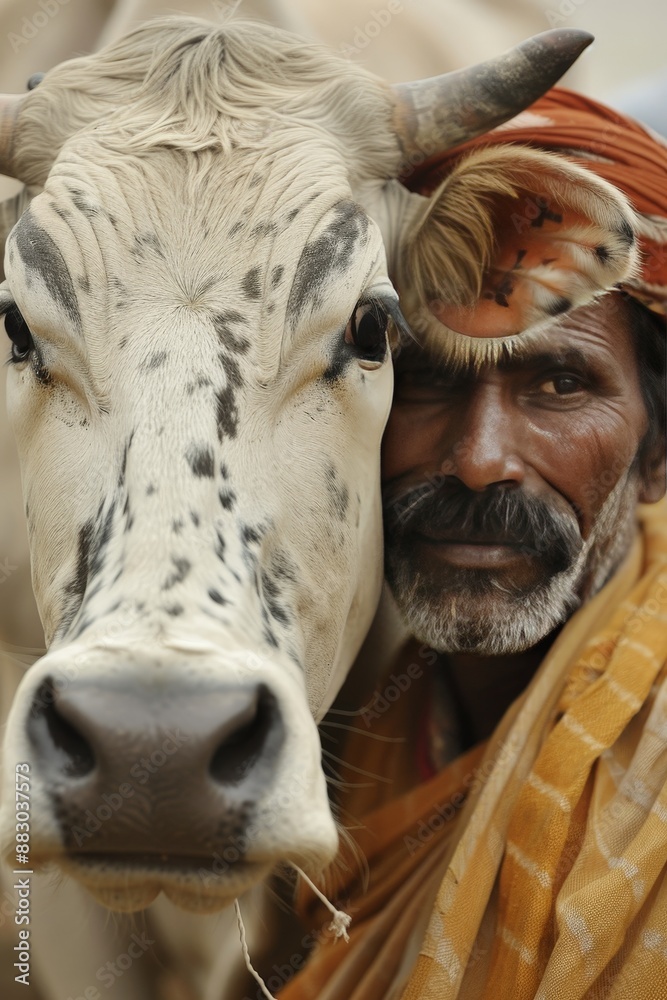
[{"x": 595, "y": 334}]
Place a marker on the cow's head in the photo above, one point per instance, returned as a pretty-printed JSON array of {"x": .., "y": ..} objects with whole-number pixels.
[{"x": 198, "y": 302}]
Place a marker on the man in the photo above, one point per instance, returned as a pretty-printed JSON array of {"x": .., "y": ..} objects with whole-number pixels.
[{"x": 517, "y": 846}]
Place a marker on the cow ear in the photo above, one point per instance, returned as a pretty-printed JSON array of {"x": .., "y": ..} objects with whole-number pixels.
[{"x": 512, "y": 238}]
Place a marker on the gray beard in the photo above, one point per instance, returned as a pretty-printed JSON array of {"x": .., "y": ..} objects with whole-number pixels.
[{"x": 455, "y": 618}]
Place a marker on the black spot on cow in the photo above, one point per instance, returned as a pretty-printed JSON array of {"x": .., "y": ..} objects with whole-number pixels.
[
  {"x": 181, "y": 570},
  {"x": 232, "y": 370},
  {"x": 156, "y": 360},
  {"x": 271, "y": 595},
  {"x": 226, "y": 498},
  {"x": 250, "y": 536},
  {"x": 41, "y": 256},
  {"x": 77, "y": 586},
  {"x": 123, "y": 461},
  {"x": 226, "y": 410},
  {"x": 338, "y": 492},
  {"x": 292, "y": 214},
  {"x": 270, "y": 638},
  {"x": 224, "y": 471},
  {"x": 174, "y": 610},
  {"x": 217, "y": 597},
  {"x": 201, "y": 382},
  {"x": 145, "y": 244},
  {"x": 220, "y": 546},
  {"x": 276, "y": 275},
  {"x": 331, "y": 253},
  {"x": 200, "y": 460},
  {"x": 264, "y": 229},
  {"x": 231, "y": 341},
  {"x": 122, "y": 297},
  {"x": 63, "y": 213},
  {"x": 194, "y": 517},
  {"x": 251, "y": 284},
  {"x": 283, "y": 567},
  {"x": 93, "y": 540},
  {"x": 602, "y": 253},
  {"x": 87, "y": 208}
]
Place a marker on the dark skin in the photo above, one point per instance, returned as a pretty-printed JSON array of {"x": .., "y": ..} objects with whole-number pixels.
[{"x": 564, "y": 424}]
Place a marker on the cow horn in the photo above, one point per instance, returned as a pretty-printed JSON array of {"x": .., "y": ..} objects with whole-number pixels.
[
  {"x": 9, "y": 109},
  {"x": 442, "y": 112}
]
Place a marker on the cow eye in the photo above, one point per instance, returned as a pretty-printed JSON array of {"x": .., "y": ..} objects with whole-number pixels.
[
  {"x": 367, "y": 332},
  {"x": 19, "y": 333}
]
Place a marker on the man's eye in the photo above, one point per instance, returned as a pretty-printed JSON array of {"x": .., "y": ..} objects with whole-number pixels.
[
  {"x": 19, "y": 333},
  {"x": 562, "y": 385},
  {"x": 423, "y": 385}
]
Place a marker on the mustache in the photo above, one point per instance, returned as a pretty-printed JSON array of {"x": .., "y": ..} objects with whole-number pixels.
[{"x": 504, "y": 515}]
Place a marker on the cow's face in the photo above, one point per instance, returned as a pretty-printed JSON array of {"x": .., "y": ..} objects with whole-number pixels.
[
  {"x": 198, "y": 306},
  {"x": 198, "y": 413}
]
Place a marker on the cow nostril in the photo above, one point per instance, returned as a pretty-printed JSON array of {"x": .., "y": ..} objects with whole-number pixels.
[
  {"x": 240, "y": 749},
  {"x": 56, "y": 739}
]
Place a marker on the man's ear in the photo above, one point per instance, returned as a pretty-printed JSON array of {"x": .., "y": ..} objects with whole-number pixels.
[{"x": 512, "y": 238}]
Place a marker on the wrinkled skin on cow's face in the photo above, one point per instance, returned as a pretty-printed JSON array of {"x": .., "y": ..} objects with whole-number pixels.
[{"x": 199, "y": 437}]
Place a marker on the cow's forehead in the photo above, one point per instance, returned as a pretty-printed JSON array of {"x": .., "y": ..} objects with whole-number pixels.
[{"x": 184, "y": 231}]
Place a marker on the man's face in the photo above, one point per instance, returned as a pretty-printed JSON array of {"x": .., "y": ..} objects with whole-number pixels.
[{"x": 510, "y": 491}]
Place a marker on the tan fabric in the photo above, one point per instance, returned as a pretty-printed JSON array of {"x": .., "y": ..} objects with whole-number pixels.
[{"x": 551, "y": 881}]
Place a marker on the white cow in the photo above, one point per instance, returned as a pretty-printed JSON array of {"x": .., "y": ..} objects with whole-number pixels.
[{"x": 198, "y": 304}]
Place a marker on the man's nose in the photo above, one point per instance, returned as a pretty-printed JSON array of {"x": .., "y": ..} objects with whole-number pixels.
[{"x": 486, "y": 451}]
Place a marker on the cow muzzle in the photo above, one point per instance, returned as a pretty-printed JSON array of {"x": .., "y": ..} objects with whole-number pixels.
[{"x": 158, "y": 783}]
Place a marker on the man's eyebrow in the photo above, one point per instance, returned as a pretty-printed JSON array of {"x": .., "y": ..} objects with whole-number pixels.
[{"x": 567, "y": 357}]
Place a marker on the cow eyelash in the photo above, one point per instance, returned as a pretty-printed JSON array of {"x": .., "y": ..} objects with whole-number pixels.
[{"x": 368, "y": 326}]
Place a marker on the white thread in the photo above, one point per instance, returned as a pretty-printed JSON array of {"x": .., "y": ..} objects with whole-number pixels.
[
  {"x": 246, "y": 954},
  {"x": 341, "y": 921}
]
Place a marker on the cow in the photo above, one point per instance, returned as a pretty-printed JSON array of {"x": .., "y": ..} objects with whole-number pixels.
[{"x": 199, "y": 381}]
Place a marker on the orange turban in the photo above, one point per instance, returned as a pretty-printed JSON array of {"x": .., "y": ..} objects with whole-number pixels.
[{"x": 621, "y": 151}]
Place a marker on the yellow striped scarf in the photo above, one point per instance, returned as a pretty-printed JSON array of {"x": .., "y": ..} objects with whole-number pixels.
[{"x": 551, "y": 883}]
